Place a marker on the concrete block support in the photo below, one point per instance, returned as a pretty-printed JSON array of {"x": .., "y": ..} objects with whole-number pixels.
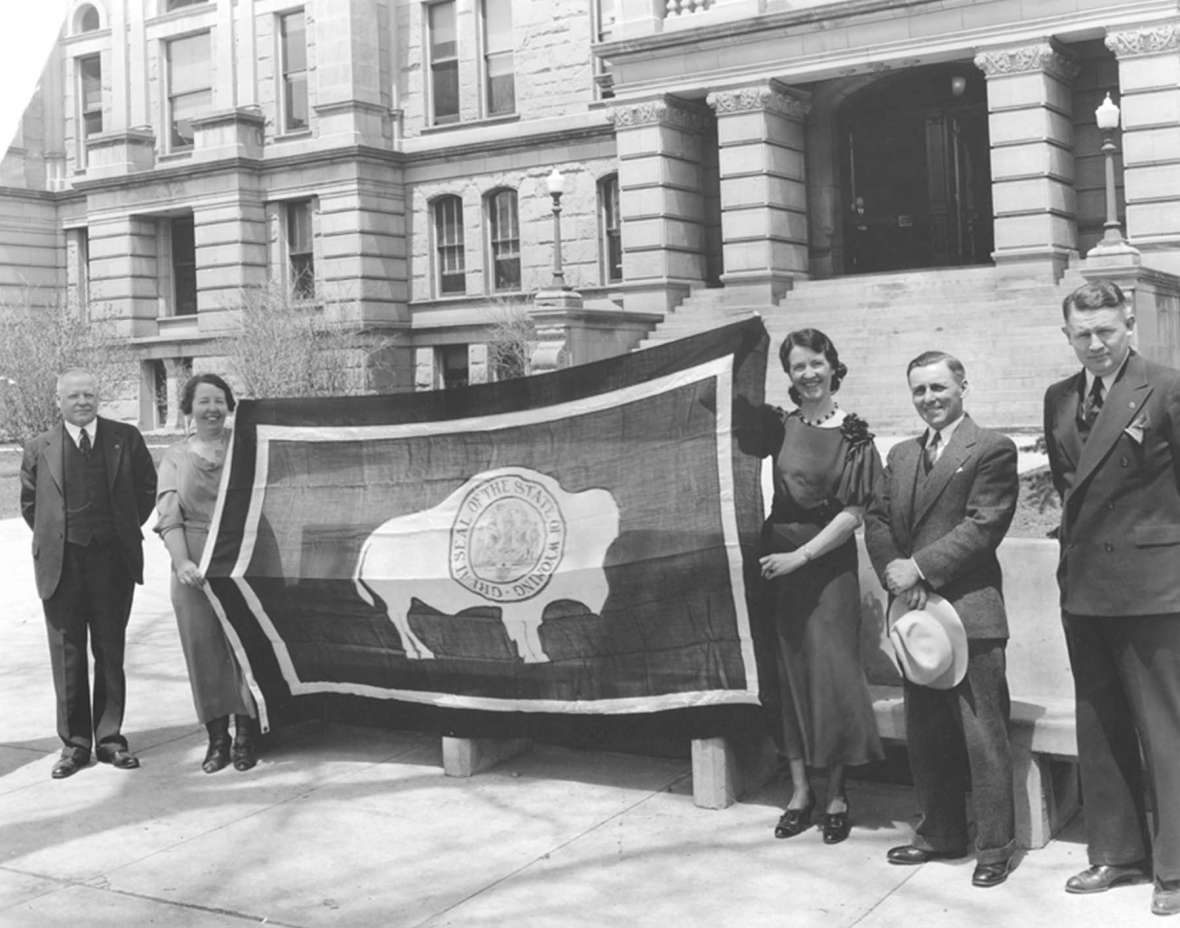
[
  {"x": 761, "y": 146},
  {"x": 724, "y": 769},
  {"x": 1030, "y": 124},
  {"x": 660, "y": 200},
  {"x": 1149, "y": 82},
  {"x": 465, "y": 757}
]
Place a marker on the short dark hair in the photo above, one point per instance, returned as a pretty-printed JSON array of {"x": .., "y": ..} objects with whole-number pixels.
[
  {"x": 190, "y": 389},
  {"x": 1096, "y": 294},
  {"x": 817, "y": 341},
  {"x": 926, "y": 358}
]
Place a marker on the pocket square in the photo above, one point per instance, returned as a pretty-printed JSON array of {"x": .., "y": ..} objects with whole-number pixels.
[{"x": 1135, "y": 430}]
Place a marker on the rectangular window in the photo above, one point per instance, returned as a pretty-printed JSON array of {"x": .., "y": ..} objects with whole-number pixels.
[
  {"x": 190, "y": 86},
  {"x": 505, "y": 240},
  {"x": 449, "y": 246},
  {"x": 444, "y": 62},
  {"x": 184, "y": 266},
  {"x": 498, "y": 72},
  {"x": 89, "y": 101},
  {"x": 612, "y": 240},
  {"x": 300, "y": 250},
  {"x": 452, "y": 365},
  {"x": 293, "y": 62}
]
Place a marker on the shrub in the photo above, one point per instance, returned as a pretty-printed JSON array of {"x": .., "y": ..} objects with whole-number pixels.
[
  {"x": 285, "y": 346},
  {"x": 510, "y": 340},
  {"x": 43, "y": 333}
]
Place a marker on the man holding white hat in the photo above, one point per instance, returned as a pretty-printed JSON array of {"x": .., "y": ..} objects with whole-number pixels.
[{"x": 945, "y": 504}]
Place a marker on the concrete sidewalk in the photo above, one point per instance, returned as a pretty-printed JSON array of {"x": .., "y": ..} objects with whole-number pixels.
[{"x": 349, "y": 826}]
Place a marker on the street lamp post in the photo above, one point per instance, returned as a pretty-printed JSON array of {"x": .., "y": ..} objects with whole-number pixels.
[
  {"x": 556, "y": 185},
  {"x": 1107, "y": 117}
]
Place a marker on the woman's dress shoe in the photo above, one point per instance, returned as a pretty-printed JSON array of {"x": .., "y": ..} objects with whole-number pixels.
[
  {"x": 836, "y": 825},
  {"x": 794, "y": 821},
  {"x": 217, "y": 755},
  {"x": 245, "y": 748}
]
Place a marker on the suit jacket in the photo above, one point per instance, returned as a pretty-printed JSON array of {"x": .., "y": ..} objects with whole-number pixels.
[
  {"x": 950, "y": 521},
  {"x": 131, "y": 479},
  {"x": 1120, "y": 489}
]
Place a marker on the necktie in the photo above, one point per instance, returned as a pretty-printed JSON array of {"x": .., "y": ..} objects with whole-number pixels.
[
  {"x": 1093, "y": 404},
  {"x": 931, "y": 451},
  {"x": 84, "y": 443}
]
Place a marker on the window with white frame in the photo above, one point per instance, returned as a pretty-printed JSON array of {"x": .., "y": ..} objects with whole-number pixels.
[
  {"x": 499, "y": 77},
  {"x": 89, "y": 71},
  {"x": 184, "y": 265},
  {"x": 610, "y": 237},
  {"x": 190, "y": 88},
  {"x": 504, "y": 238},
  {"x": 300, "y": 248},
  {"x": 449, "y": 248},
  {"x": 443, "y": 46},
  {"x": 293, "y": 67}
]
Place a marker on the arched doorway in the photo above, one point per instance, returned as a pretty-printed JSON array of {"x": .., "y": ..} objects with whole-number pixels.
[{"x": 917, "y": 176}]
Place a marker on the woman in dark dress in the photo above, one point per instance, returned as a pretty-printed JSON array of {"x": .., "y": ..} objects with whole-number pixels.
[{"x": 826, "y": 469}]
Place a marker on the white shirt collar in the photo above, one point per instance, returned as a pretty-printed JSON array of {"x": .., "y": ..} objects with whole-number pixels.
[
  {"x": 75, "y": 431},
  {"x": 944, "y": 433}
]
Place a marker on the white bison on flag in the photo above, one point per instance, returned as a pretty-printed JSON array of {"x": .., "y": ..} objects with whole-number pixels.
[{"x": 510, "y": 538}]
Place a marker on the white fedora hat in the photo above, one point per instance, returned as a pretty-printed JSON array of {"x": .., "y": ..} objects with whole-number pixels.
[{"x": 930, "y": 643}]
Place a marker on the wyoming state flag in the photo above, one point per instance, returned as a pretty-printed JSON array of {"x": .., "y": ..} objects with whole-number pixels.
[{"x": 571, "y": 544}]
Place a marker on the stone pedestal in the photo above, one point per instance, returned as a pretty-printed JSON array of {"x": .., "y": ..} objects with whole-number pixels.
[
  {"x": 570, "y": 332},
  {"x": 233, "y": 133},
  {"x": 1030, "y": 123},
  {"x": 761, "y": 142},
  {"x": 113, "y": 154},
  {"x": 1149, "y": 83},
  {"x": 661, "y": 202}
]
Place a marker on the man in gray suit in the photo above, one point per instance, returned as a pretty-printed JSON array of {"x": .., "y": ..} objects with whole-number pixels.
[
  {"x": 946, "y": 501},
  {"x": 86, "y": 487}
]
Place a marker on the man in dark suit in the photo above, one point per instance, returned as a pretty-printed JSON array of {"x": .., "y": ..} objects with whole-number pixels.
[
  {"x": 1113, "y": 436},
  {"x": 947, "y": 499},
  {"x": 87, "y": 486}
]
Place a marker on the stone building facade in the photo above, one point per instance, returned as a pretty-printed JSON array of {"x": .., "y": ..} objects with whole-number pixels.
[{"x": 387, "y": 159}]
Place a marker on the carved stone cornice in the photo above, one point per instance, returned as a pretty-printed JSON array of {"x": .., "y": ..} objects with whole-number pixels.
[
  {"x": 1150, "y": 40},
  {"x": 660, "y": 112},
  {"x": 761, "y": 98},
  {"x": 1042, "y": 56}
]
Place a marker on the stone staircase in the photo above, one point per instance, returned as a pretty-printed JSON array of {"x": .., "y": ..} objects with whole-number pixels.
[{"x": 1006, "y": 332}]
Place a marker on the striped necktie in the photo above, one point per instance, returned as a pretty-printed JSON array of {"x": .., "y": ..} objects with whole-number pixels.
[
  {"x": 931, "y": 454},
  {"x": 1093, "y": 404},
  {"x": 84, "y": 444}
]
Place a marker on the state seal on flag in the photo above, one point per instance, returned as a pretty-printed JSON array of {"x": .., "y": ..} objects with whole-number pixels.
[{"x": 507, "y": 539}]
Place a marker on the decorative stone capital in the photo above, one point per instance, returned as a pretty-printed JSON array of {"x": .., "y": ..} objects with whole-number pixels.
[
  {"x": 1151, "y": 40},
  {"x": 765, "y": 97},
  {"x": 1040, "y": 57},
  {"x": 661, "y": 112}
]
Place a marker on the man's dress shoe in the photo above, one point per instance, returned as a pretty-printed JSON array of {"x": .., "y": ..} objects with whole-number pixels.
[
  {"x": 986, "y": 875},
  {"x": 1166, "y": 898},
  {"x": 69, "y": 763},
  {"x": 118, "y": 757},
  {"x": 907, "y": 855},
  {"x": 1101, "y": 877}
]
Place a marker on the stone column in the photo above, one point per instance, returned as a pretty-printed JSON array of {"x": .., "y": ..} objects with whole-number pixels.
[
  {"x": 1030, "y": 105},
  {"x": 230, "y": 238},
  {"x": 660, "y": 200},
  {"x": 424, "y": 372},
  {"x": 761, "y": 142},
  {"x": 1149, "y": 82},
  {"x": 124, "y": 272},
  {"x": 348, "y": 68}
]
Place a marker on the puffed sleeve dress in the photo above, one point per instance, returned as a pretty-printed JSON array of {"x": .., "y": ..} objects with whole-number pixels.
[
  {"x": 824, "y": 704},
  {"x": 185, "y": 498}
]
